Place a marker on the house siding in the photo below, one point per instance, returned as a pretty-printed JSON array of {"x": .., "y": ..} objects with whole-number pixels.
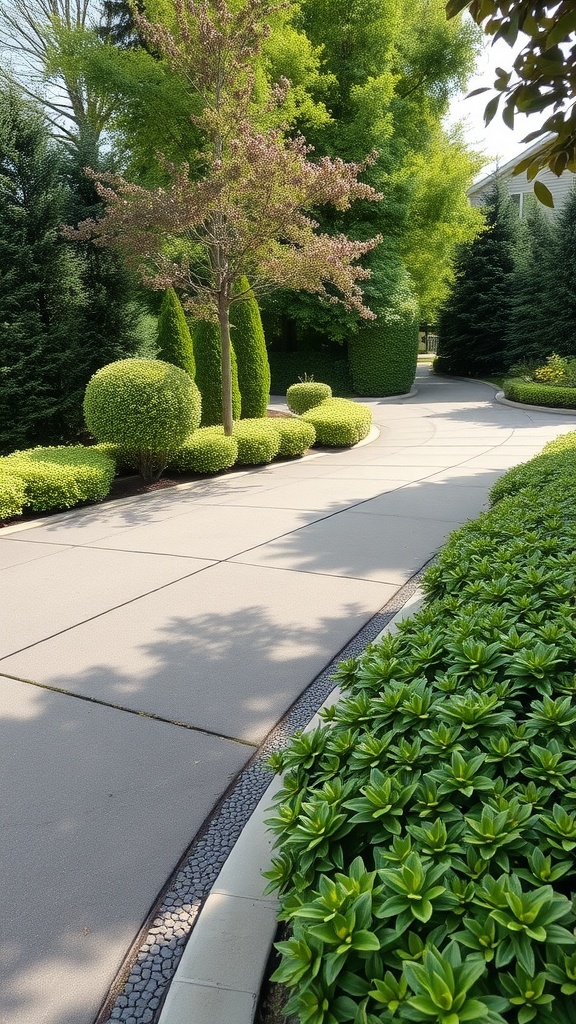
[{"x": 560, "y": 187}]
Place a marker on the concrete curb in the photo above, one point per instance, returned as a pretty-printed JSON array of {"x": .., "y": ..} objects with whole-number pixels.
[
  {"x": 502, "y": 400},
  {"x": 223, "y": 965}
]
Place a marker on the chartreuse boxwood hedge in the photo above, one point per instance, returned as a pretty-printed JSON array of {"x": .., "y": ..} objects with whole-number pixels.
[
  {"x": 426, "y": 831},
  {"x": 339, "y": 422},
  {"x": 56, "y": 478}
]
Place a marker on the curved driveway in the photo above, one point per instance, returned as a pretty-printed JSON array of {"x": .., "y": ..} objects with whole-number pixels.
[{"x": 148, "y": 646}]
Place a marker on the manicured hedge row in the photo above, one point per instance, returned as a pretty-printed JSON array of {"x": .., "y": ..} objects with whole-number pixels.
[
  {"x": 339, "y": 422},
  {"x": 58, "y": 478},
  {"x": 295, "y": 435},
  {"x": 427, "y": 831},
  {"x": 12, "y": 494},
  {"x": 207, "y": 450},
  {"x": 556, "y": 460},
  {"x": 519, "y": 390}
]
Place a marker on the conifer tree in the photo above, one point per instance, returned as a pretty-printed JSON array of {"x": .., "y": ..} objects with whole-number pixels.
[
  {"x": 531, "y": 331},
  {"x": 174, "y": 338},
  {"x": 250, "y": 349},
  {"x": 561, "y": 281},
  {"x": 208, "y": 359},
  {"x": 473, "y": 322}
]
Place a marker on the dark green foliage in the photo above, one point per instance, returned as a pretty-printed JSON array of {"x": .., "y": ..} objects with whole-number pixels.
[
  {"x": 560, "y": 281},
  {"x": 286, "y": 367},
  {"x": 339, "y": 422},
  {"x": 427, "y": 831},
  {"x": 532, "y": 393},
  {"x": 249, "y": 345},
  {"x": 60, "y": 477},
  {"x": 296, "y": 436},
  {"x": 208, "y": 357},
  {"x": 145, "y": 406},
  {"x": 40, "y": 287},
  {"x": 473, "y": 323},
  {"x": 174, "y": 338},
  {"x": 383, "y": 353},
  {"x": 207, "y": 450},
  {"x": 305, "y": 395},
  {"x": 531, "y": 332},
  {"x": 12, "y": 493}
]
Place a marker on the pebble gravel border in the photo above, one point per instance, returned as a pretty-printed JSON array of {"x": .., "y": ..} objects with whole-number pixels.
[{"x": 151, "y": 963}]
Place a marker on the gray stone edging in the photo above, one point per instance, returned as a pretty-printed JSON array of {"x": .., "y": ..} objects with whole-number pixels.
[
  {"x": 223, "y": 965},
  {"x": 502, "y": 400}
]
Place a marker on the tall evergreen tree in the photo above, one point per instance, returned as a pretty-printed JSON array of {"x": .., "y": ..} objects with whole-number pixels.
[
  {"x": 531, "y": 331},
  {"x": 562, "y": 294},
  {"x": 473, "y": 322},
  {"x": 40, "y": 282}
]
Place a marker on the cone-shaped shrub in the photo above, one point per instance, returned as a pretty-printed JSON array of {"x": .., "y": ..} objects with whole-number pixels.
[
  {"x": 207, "y": 353},
  {"x": 250, "y": 347},
  {"x": 146, "y": 406},
  {"x": 174, "y": 339}
]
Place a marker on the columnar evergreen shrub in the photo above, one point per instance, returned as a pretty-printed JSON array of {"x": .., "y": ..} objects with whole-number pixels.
[
  {"x": 207, "y": 450},
  {"x": 60, "y": 477},
  {"x": 207, "y": 354},
  {"x": 174, "y": 338},
  {"x": 249, "y": 345},
  {"x": 307, "y": 394},
  {"x": 339, "y": 422},
  {"x": 383, "y": 354},
  {"x": 146, "y": 406},
  {"x": 427, "y": 830}
]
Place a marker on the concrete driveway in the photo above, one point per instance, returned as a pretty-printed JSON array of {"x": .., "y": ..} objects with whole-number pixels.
[{"x": 148, "y": 646}]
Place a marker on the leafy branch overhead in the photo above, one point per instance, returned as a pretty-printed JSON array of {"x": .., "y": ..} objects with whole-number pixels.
[{"x": 543, "y": 75}]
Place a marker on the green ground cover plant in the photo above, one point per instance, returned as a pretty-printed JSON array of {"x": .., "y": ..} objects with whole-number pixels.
[
  {"x": 338, "y": 422},
  {"x": 56, "y": 478},
  {"x": 426, "y": 831}
]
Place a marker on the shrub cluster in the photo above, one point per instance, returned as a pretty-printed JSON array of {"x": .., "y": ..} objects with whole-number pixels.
[
  {"x": 55, "y": 478},
  {"x": 338, "y": 422},
  {"x": 304, "y": 396},
  {"x": 258, "y": 442},
  {"x": 532, "y": 393},
  {"x": 207, "y": 450},
  {"x": 427, "y": 830},
  {"x": 296, "y": 436}
]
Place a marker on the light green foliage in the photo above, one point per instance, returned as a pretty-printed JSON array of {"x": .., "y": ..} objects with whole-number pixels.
[
  {"x": 258, "y": 442},
  {"x": 296, "y": 436},
  {"x": 384, "y": 353},
  {"x": 207, "y": 450},
  {"x": 307, "y": 394},
  {"x": 208, "y": 356},
  {"x": 146, "y": 406},
  {"x": 174, "y": 339},
  {"x": 558, "y": 458},
  {"x": 12, "y": 493},
  {"x": 249, "y": 346},
  {"x": 60, "y": 477},
  {"x": 426, "y": 832},
  {"x": 339, "y": 422},
  {"x": 531, "y": 393}
]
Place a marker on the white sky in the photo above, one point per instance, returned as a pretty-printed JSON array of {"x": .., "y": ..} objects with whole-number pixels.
[{"x": 496, "y": 141}]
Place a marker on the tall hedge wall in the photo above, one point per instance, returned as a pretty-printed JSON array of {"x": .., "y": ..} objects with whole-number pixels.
[{"x": 384, "y": 353}]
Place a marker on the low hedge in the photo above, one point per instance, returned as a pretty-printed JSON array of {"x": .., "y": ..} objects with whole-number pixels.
[
  {"x": 258, "y": 442},
  {"x": 427, "y": 830},
  {"x": 306, "y": 395},
  {"x": 296, "y": 436},
  {"x": 339, "y": 422},
  {"x": 12, "y": 494},
  {"x": 531, "y": 393},
  {"x": 557, "y": 459},
  {"x": 207, "y": 450},
  {"x": 61, "y": 477}
]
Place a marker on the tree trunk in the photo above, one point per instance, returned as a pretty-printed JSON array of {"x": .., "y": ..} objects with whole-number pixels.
[{"x": 223, "y": 316}]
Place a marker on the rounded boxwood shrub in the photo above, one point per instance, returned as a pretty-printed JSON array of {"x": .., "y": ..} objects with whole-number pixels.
[
  {"x": 249, "y": 346},
  {"x": 339, "y": 422},
  {"x": 304, "y": 396},
  {"x": 258, "y": 442},
  {"x": 174, "y": 338},
  {"x": 531, "y": 393},
  {"x": 208, "y": 356},
  {"x": 296, "y": 436},
  {"x": 61, "y": 477},
  {"x": 207, "y": 450},
  {"x": 12, "y": 494},
  {"x": 146, "y": 406}
]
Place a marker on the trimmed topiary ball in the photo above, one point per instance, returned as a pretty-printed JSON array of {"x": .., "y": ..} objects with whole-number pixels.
[
  {"x": 146, "y": 406},
  {"x": 296, "y": 436},
  {"x": 339, "y": 422},
  {"x": 304, "y": 396},
  {"x": 12, "y": 493},
  {"x": 207, "y": 450}
]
